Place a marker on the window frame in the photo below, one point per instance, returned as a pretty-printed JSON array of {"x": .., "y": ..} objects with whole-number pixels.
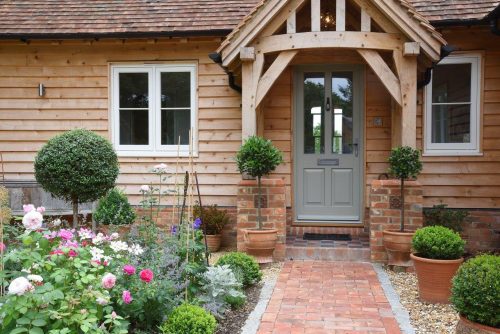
[
  {"x": 155, "y": 148},
  {"x": 458, "y": 149}
]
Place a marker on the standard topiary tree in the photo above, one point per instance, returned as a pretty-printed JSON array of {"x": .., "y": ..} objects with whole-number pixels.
[
  {"x": 258, "y": 157},
  {"x": 404, "y": 164},
  {"x": 78, "y": 166}
]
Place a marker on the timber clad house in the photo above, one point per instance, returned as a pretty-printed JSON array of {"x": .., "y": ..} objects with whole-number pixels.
[{"x": 335, "y": 84}]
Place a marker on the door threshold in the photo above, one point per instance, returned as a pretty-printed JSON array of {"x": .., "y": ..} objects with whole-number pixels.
[{"x": 330, "y": 223}]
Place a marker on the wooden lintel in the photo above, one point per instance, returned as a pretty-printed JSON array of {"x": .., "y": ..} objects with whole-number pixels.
[
  {"x": 382, "y": 70},
  {"x": 411, "y": 49},
  {"x": 330, "y": 39},
  {"x": 247, "y": 53},
  {"x": 272, "y": 74}
]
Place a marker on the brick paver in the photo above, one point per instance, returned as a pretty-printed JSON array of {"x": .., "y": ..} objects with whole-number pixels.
[{"x": 315, "y": 297}]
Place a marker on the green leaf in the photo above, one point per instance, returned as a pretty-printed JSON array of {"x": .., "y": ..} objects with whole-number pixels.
[
  {"x": 36, "y": 330},
  {"x": 19, "y": 330},
  {"x": 39, "y": 322},
  {"x": 23, "y": 321}
]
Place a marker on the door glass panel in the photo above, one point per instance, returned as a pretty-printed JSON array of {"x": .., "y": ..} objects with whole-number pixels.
[
  {"x": 314, "y": 113},
  {"x": 342, "y": 120}
]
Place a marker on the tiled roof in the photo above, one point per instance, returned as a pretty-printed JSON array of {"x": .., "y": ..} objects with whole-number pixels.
[
  {"x": 173, "y": 17},
  {"x": 446, "y": 10},
  {"x": 108, "y": 17}
]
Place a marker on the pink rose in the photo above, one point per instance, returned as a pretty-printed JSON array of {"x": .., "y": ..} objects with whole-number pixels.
[
  {"x": 28, "y": 208},
  {"x": 40, "y": 209},
  {"x": 2, "y": 247},
  {"x": 65, "y": 234},
  {"x": 129, "y": 269},
  {"x": 108, "y": 281},
  {"x": 72, "y": 253},
  {"x": 146, "y": 275},
  {"x": 57, "y": 252},
  {"x": 32, "y": 220},
  {"x": 127, "y": 297}
]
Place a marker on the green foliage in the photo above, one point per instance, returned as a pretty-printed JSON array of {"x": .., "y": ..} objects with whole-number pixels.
[
  {"x": 438, "y": 242},
  {"x": 5, "y": 212},
  {"x": 405, "y": 162},
  {"x": 243, "y": 265},
  {"x": 258, "y": 157},
  {"x": 78, "y": 166},
  {"x": 476, "y": 290},
  {"x": 212, "y": 218},
  {"x": 219, "y": 284},
  {"x": 114, "y": 209},
  {"x": 439, "y": 215},
  {"x": 189, "y": 319}
]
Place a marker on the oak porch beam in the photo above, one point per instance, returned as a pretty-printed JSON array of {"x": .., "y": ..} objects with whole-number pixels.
[
  {"x": 384, "y": 73},
  {"x": 330, "y": 39},
  {"x": 272, "y": 74},
  {"x": 248, "y": 111}
]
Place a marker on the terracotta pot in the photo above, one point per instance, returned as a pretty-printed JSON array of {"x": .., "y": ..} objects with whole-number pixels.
[
  {"x": 260, "y": 243},
  {"x": 398, "y": 247},
  {"x": 466, "y": 326},
  {"x": 213, "y": 242},
  {"x": 434, "y": 278}
]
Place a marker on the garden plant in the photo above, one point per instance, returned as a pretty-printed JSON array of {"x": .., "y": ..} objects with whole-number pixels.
[
  {"x": 114, "y": 209},
  {"x": 78, "y": 166},
  {"x": 440, "y": 215}
]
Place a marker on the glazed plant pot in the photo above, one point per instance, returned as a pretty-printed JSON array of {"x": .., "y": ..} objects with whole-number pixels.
[
  {"x": 434, "y": 278},
  {"x": 398, "y": 247},
  {"x": 260, "y": 243},
  {"x": 213, "y": 242},
  {"x": 466, "y": 326}
]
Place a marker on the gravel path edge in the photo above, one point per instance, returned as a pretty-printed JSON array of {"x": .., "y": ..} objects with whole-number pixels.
[
  {"x": 253, "y": 321},
  {"x": 400, "y": 312}
]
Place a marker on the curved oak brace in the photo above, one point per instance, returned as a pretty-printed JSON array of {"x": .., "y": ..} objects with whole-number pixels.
[
  {"x": 384, "y": 73},
  {"x": 330, "y": 39},
  {"x": 272, "y": 73}
]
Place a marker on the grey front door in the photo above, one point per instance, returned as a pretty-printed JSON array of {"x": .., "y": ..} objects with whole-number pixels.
[{"x": 328, "y": 143}]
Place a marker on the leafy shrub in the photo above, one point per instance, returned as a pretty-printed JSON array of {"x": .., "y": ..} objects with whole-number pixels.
[
  {"x": 404, "y": 163},
  {"x": 189, "y": 319},
  {"x": 212, "y": 219},
  {"x": 78, "y": 166},
  {"x": 476, "y": 290},
  {"x": 219, "y": 283},
  {"x": 438, "y": 242},
  {"x": 244, "y": 266},
  {"x": 439, "y": 215},
  {"x": 114, "y": 209}
]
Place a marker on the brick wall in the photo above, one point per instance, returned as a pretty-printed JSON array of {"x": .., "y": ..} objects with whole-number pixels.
[
  {"x": 385, "y": 211},
  {"x": 482, "y": 231},
  {"x": 273, "y": 210}
]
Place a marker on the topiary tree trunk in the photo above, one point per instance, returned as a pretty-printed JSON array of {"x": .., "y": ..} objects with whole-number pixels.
[
  {"x": 75, "y": 212},
  {"x": 259, "y": 217}
]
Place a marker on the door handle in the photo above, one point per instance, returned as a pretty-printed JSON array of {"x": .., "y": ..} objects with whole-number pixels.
[
  {"x": 327, "y": 107},
  {"x": 355, "y": 144}
]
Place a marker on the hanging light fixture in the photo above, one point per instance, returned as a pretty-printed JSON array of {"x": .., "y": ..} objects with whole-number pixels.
[{"x": 327, "y": 20}]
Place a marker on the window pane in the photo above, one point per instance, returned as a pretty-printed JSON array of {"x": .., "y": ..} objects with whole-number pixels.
[
  {"x": 342, "y": 104},
  {"x": 451, "y": 123},
  {"x": 451, "y": 83},
  {"x": 176, "y": 90},
  {"x": 314, "y": 115},
  {"x": 133, "y": 90},
  {"x": 175, "y": 124},
  {"x": 134, "y": 127}
]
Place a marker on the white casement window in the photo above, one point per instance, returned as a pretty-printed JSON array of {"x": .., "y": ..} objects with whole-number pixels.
[
  {"x": 153, "y": 109},
  {"x": 452, "y": 106}
]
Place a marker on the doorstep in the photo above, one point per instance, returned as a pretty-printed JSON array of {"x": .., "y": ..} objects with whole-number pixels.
[{"x": 357, "y": 249}]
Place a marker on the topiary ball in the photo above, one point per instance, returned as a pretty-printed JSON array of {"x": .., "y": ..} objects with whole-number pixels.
[
  {"x": 475, "y": 293},
  {"x": 404, "y": 162},
  {"x": 244, "y": 266},
  {"x": 258, "y": 157},
  {"x": 78, "y": 166},
  {"x": 438, "y": 242},
  {"x": 189, "y": 319},
  {"x": 114, "y": 209}
]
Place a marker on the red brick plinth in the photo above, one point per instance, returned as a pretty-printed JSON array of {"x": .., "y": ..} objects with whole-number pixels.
[
  {"x": 385, "y": 211},
  {"x": 273, "y": 210}
]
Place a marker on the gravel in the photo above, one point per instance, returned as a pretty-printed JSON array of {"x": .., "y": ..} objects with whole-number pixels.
[
  {"x": 425, "y": 318},
  {"x": 234, "y": 320}
]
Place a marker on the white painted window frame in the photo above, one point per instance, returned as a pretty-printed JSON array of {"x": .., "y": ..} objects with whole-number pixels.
[
  {"x": 154, "y": 149},
  {"x": 457, "y": 149}
]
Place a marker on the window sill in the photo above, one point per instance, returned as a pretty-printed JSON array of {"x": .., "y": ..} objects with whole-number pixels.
[
  {"x": 452, "y": 154},
  {"x": 150, "y": 154}
]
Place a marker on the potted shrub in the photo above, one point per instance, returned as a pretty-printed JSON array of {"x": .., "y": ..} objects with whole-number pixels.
[
  {"x": 213, "y": 221},
  {"x": 258, "y": 157},
  {"x": 78, "y": 166},
  {"x": 404, "y": 164},
  {"x": 476, "y": 295},
  {"x": 114, "y": 209},
  {"x": 437, "y": 255}
]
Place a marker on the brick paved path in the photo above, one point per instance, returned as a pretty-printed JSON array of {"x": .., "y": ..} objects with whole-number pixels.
[{"x": 314, "y": 297}]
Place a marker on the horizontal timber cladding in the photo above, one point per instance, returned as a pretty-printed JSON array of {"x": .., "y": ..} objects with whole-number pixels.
[{"x": 76, "y": 77}]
